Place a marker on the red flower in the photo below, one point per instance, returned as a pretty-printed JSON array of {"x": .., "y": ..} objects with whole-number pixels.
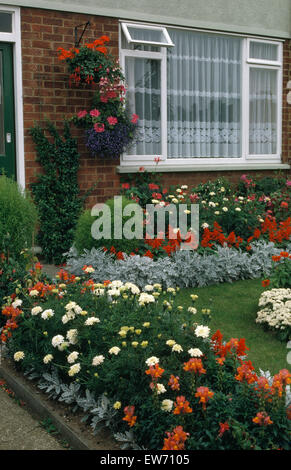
[
  {"x": 266, "y": 282},
  {"x": 222, "y": 428}
]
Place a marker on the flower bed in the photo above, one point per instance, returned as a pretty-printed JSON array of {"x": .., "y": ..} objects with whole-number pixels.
[
  {"x": 139, "y": 362},
  {"x": 275, "y": 312}
]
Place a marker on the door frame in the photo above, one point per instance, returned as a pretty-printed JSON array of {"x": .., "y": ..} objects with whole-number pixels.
[{"x": 15, "y": 39}]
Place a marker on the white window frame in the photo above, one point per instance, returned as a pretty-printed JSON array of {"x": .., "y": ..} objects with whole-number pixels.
[
  {"x": 15, "y": 38},
  {"x": 130, "y": 40},
  {"x": 187, "y": 164}
]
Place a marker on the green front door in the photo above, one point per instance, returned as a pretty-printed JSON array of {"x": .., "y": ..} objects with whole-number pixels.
[{"x": 7, "y": 126}]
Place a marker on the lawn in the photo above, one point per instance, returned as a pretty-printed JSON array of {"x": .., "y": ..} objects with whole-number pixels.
[{"x": 233, "y": 312}]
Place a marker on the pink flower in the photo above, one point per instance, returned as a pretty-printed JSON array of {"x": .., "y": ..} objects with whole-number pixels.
[
  {"x": 157, "y": 159},
  {"x": 112, "y": 120},
  {"x": 82, "y": 114},
  {"x": 135, "y": 118},
  {"x": 288, "y": 183},
  {"x": 95, "y": 113},
  {"x": 99, "y": 127}
]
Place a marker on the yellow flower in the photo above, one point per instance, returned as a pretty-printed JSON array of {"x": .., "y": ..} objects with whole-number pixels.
[
  {"x": 144, "y": 344},
  {"x": 147, "y": 324},
  {"x": 122, "y": 333},
  {"x": 170, "y": 342},
  {"x": 194, "y": 297},
  {"x": 134, "y": 344},
  {"x": 180, "y": 307},
  {"x": 117, "y": 405},
  {"x": 62, "y": 286},
  {"x": 84, "y": 312},
  {"x": 96, "y": 374},
  {"x": 124, "y": 343},
  {"x": 137, "y": 332},
  {"x": 45, "y": 333}
]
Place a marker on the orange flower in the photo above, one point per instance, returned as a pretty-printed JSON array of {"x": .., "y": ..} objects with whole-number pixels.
[
  {"x": 129, "y": 412},
  {"x": 182, "y": 406},
  {"x": 204, "y": 394},
  {"x": 222, "y": 428},
  {"x": 155, "y": 371},
  {"x": 194, "y": 365},
  {"x": 284, "y": 254},
  {"x": 276, "y": 258},
  {"x": 262, "y": 419},
  {"x": 174, "y": 382},
  {"x": 245, "y": 372},
  {"x": 176, "y": 439}
]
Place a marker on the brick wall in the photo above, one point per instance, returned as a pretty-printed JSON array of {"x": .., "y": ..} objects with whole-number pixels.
[
  {"x": 46, "y": 95},
  {"x": 46, "y": 92}
]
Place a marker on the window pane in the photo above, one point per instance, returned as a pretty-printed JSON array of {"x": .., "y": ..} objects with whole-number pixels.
[
  {"x": 153, "y": 35},
  {"x": 2, "y": 141},
  {"x": 263, "y": 51},
  {"x": 6, "y": 22},
  {"x": 263, "y": 112},
  {"x": 204, "y": 96},
  {"x": 144, "y": 99}
]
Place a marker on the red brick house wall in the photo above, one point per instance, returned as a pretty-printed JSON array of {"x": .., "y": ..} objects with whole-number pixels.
[{"x": 46, "y": 95}]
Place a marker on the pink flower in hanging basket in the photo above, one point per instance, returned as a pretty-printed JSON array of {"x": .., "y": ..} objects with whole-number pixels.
[
  {"x": 134, "y": 118},
  {"x": 112, "y": 120},
  {"x": 82, "y": 114},
  {"x": 99, "y": 127},
  {"x": 95, "y": 113}
]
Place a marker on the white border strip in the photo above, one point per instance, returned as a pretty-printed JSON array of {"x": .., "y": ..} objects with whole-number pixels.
[{"x": 15, "y": 38}]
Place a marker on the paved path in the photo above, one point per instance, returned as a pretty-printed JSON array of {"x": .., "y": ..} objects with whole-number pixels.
[{"x": 19, "y": 430}]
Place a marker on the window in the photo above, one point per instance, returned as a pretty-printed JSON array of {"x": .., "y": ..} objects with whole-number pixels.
[{"x": 201, "y": 97}]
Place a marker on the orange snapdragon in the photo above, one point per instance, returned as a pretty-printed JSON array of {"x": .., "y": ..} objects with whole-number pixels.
[
  {"x": 176, "y": 439},
  {"x": 129, "y": 415},
  {"x": 182, "y": 406},
  {"x": 262, "y": 419},
  {"x": 204, "y": 394},
  {"x": 194, "y": 365}
]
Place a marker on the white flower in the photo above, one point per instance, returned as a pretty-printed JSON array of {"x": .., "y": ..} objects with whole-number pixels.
[
  {"x": 160, "y": 389},
  {"x": 36, "y": 310},
  {"x": 149, "y": 288},
  {"x": 70, "y": 306},
  {"x": 92, "y": 320},
  {"x": 167, "y": 405},
  {"x": 116, "y": 284},
  {"x": 72, "y": 336},
  {"x": 46, "y": 314},
  {"x": 202, "y": 331},
  {"x": 74, "y": 369},
  {"x": 145, "y": 298},
  {"x": 68, "y": 316},
  {"x": 16, "y": 303},
  {"x": 18, "y": 356},
  {"x": 212, "y": 204},
  {"x": 114, "y": 292},
  {"x": 72, "y": 357},
  {"x": 225, "y": 209},
  {"x": 99, "y": 292},
  {"x": 195, "y": 352},
  {"x": 57, "y": 340},
  {"x": 132, "y": 287},
  {"x": 184, "y": 186},
  {"x": 151, "y": 361},
  {"x": 192, "y": 310},
  {"x": 216, "y": 212},
  {"x": 222, "y": 189},
  {"x": 177, "y": 348},
  {"x": 48, "y": 358},
  {"x": 155, "y": 201},
  {"x": 170, "y": 342},
  {"x": 115, "y": 350},
  {"x": 205, "y": 225},
  {"x": 175, "y": 201},
  {"x": 238, "y": 209},
  {"x": 97, "y": 360},
  {"x": 89, "y": 269},
  {"x": 33, "y": 293},
  {"x": 212, "y": 193}
]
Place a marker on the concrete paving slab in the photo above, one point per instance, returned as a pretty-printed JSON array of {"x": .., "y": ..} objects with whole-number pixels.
[{"x": 20, "y": 431}]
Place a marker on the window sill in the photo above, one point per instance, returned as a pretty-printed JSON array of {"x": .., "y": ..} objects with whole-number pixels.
[{"x": 170, "y": 168}]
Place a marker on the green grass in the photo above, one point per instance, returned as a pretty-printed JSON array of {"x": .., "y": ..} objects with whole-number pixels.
[{"x": 233, "y": 312}]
